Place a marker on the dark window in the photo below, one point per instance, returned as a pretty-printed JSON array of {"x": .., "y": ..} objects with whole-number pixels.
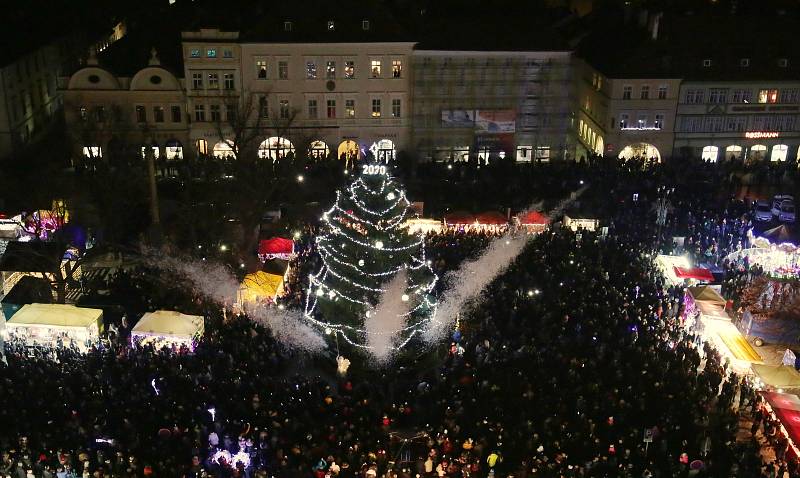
[
  {"x": 141, "y": 114},
  {"x": 158, "y": 114},
  {"x": 176, "y": 114},
  {"x": 94, "y": 79},
  {"x": 155, "y": 79}
]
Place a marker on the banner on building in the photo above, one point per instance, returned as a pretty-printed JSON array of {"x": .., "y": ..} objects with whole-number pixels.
[
  {"x": 458, "y": 118},
  {"x": 495, "y": 121}
]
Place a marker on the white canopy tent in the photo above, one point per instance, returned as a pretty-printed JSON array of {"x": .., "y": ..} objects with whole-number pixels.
[
  {"x": 166, "y": 327},
  {"x": 47, "y": 323}
]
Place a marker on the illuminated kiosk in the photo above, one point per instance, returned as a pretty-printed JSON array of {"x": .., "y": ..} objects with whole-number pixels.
[
  {"x": 47, "y": 324},
  {"x": 165, "y": 328},
  {"x": 365, "y": 245}
]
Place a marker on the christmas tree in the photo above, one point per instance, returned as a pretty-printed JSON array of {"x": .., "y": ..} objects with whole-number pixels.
[{"x": 368, "y": 258}]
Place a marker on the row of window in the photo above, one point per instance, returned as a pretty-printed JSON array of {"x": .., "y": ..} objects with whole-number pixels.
[
  {"x": 210, "y": 52},
  {"x": 644, "y": 92},
  {"x": 642, "y": 121},
  {"x": 589, "y": 136},
  {"x": 756, "y": 152},
  {"x": 312, "y": 72},
  {"x": 736, "y": 123},
  {"x": 210, "y": 80},
  {"x": 524, "y": 153},
  {"x": 157, "y": 115},
  {"x": 740, "y": 95},
  {"x": 745, "y": 62},
  {"x": 313, "y": 106}
]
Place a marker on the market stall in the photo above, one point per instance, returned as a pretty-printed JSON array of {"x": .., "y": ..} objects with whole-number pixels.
[
  {"x": 276, "y": 247},
  {"x": 424, "y": 226},
  {"x": 532, "y": 221},
  {"x": 48, "y": 324},
  {"x": 785, "y": 408},
  {"x": 778, "y": 259},
  {"x": 167, "y": 328},
  {"x": 777, "y": 377},
  {"x": 575, "y": 223},
  {"x": 667, "y": 264},
  {"x": 492, "y": 221},
  {"x": 260, "y": 287}
]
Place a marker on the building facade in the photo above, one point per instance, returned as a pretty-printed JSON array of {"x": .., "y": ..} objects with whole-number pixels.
[
  {"x": 484, "y": 104},
  {"x": 641, "y": 117},
  {"x": 592, "y": 95},
  {"x": 753, "y": 120}
]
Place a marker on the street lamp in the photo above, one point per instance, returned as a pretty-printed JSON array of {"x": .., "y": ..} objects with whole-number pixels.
[{"x": 300, "y": 178}]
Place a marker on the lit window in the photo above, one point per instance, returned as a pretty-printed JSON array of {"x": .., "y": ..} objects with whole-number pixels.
[
  {"x": 626, "y": 92},
  {"x": 141, "y": 114},
  {"x": 710, "y": 154},
  {"x": 331, "y": 109},
  {"x": 261, "y": 69},
  {"x": 365, "y": 25},
  {"x": 93, "y": 152},
  {"x": 397, "y": 68},
  {"x": 376, "y": 68},
  {"x": 395, "y": 108},
  {"x": 195, "y": 53},
  {"x": 742, "y": 96},
  {"x": 197, "y": 81},
  {"x": 543, "y": 153},
  {"x": 213, "y": 81},
  {"x": 287, "y": 26},
  {"x": 330, "y": 70},
  {"x": 283, "y": 70},
  {"x": 331, "y": 26},
  {"x": 312, "y": 109},
  {"x": 158, "y": 114},
  {"x": 768, "y": 96},
  {"x": 211, "y": 53},
  {"x": 659, "y": 122},
  {"x": 284, "y": 109},
  {"x": 376, "y": 108},
  {"x": 227, "y": 53},
  {"x": 311, "y": 70},
  {"x": 623, "y": 120},
  {"x": 349, "y": 69},
  {"x": 228, "y": 81},
  {"x": 662, "y": 92},
  {"x": 199, "y": 112},
  {"x": 645, "y": 92},
  {"x": 215, "y": 113},
  {"x": 706, "y": 63},
  {"x": 641, "y": 121}
]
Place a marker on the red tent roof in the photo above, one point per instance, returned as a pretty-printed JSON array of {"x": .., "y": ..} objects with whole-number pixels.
[
  {"x": 787, "y": 408},
  {"x": 533, "y": 217},
  {"x": 493, "y": 218},
  {"x": 694, "y": 273},
  {"x": 275, "y": 245},
  {"x": 459, "y": 217}
]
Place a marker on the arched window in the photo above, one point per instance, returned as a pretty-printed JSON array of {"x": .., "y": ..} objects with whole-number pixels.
[
  {"x": 202, "y": 147},
  {"x": 710, "y": 154},
  {"x": 383, "y": 150},
  {"x": 223, "y": 150},
  {"x": 757, "y": 152},
  {"x": 640, "y": 151},
  {"x": 779, "y": 152},
  {"x": 318, "y": 149},
  {"x": 92, "y": 152},
  {"x": 275, "y": 148},
  {"x": 598, "y": 147},
  {"x": 174, "y": 149},
  {"x": 733, "y": 152}
]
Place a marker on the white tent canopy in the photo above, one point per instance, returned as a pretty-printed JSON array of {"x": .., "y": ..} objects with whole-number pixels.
[
  {"x": 46, "y": 323},
  {"x": 166, "y": 327},
  {"x": 777, "y": 376}
]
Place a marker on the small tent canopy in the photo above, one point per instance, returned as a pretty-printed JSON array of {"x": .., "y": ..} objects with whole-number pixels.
[
  {"x": 260, "y": 286},
  {"x": 532, "y": 218},
  {"x": 777, "y": 376},
  {"x": 697, "y": 273},
  {"x": 27, "y": 290},
  {"x": 275, "y": 247},
  {"x": 46, "y": 323},
  {"x": 424, "y": 226},
  {"x": 491, "y": 218},
  {"x": 459, "y": 217},
  {"x": 778, "y": 234},
  {"x": 706, "y": 293},
  {"x": 167, "y": 327}
]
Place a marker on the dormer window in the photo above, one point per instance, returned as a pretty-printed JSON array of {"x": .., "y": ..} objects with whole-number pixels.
[
  {"x": 707, "y": 63},
  {"x": 365, "y": 25},
  {"x": 744, "y": 62},
  {"x": 783, "y": 62},
  {"x": 331, "y": 25},
  {"x": 287, "y": 26}
]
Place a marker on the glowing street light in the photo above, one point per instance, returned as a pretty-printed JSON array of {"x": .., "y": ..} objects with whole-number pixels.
[
  {"x": 300, "y": 178},
  {"x": 223, "y": 247}
]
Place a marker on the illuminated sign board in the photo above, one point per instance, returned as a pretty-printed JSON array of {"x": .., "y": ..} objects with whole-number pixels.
[
  {"x": 761, "y": 134},
  {"x": 641, "y": 128}
]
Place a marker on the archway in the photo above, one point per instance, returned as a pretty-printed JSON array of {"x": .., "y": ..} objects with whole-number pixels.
[
  {"x": 348, "y": 151},
  {"x": 598, "y": 146},
  {"x": 757, "y": 152},
  {"x": 710, "y": 154},
  {"x": 779, "y": 152},
  {"x": 174, "y": 149},
  {"x": 318, "y": 149},
  {"x": 640, "y": 150},
  {"x": 275, "y": 148},
  {"x": 383, "y": 150},
  {"x": 223, "y": 150},
  {"x": 733, "y": 152}
]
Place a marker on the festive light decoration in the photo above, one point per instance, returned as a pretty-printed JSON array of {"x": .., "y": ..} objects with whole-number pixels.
[{"x": 363, "y": 247}]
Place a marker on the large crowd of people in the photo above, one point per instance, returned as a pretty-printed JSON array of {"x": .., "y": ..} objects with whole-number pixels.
[{"x": 591, "y": 375}]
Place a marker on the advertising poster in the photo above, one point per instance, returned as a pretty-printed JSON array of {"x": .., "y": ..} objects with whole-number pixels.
[
  {"x": 458, "y": 118},
  {"x": 495, "y": 121}
]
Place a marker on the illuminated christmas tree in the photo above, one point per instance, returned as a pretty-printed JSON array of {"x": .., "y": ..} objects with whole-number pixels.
[{"x": 368, "y": 258}]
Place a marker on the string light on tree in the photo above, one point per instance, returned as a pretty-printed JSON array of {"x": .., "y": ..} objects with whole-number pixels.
[{"x": 365, "y": 245}]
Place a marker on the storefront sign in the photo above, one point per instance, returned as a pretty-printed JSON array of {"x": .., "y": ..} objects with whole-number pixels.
[{"x": 761, "y": 134}]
